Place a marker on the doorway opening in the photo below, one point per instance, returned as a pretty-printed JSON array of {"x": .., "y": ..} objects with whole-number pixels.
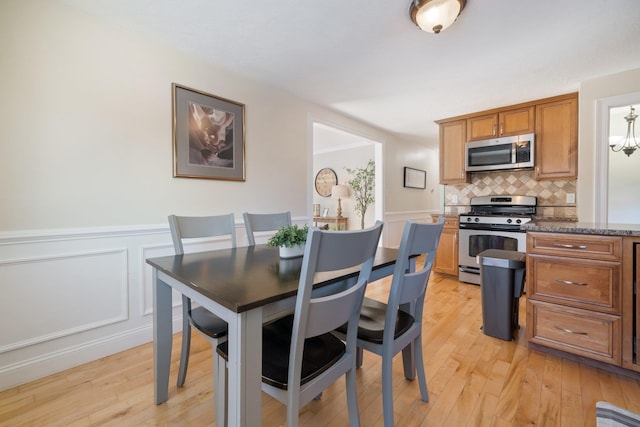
[
  {"x": 616, "y": 196},
  {"x": 340, "y": 149}
]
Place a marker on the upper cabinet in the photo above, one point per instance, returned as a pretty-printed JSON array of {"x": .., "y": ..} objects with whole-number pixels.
[
  {"x": 505, "y": 123},
  {"x": 553, "y": 120},
  {"x": 557, "y": 139},
  {"x": 453, "y": 135}
]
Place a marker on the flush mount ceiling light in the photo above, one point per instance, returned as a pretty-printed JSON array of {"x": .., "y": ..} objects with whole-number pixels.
[
  {"x": 434, "y": 16},
  {"x": 630, "y": 143}
]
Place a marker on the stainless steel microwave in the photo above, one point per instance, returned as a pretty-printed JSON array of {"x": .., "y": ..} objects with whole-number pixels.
[{"x": 509, "y": 152}]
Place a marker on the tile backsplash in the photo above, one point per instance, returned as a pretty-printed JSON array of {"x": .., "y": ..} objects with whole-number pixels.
[{"x": 552, "y": 195}]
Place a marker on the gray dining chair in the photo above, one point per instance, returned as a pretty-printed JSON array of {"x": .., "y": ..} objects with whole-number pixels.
[
  {"x": 213, "y": 328},
  {"x": 264, "y": 222},
  {"x": 300, "y": 354},
  {"x": 385, "y": 329}
]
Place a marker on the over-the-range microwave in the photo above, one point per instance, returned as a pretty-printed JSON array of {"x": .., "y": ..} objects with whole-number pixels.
[{"x": 509, "y": 152}]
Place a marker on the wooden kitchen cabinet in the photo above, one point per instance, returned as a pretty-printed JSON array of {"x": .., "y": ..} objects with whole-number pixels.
[
  {"x": 631, "y": 303},
  {"x": 557, "y": 139},
  {"x": 574, "y": 294},
  {"x": 446, "y": 260},
  {"x": 553, "y": 120},
  {"x": 515, "y": 121},
  {"x": 452, "y": 138}
]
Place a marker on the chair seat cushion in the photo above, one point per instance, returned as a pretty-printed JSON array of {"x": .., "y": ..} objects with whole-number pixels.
[
  {"x": 320, "y": 353},
  {"x": 372, "y": 317},
  {"x": 208, "y": 323}
]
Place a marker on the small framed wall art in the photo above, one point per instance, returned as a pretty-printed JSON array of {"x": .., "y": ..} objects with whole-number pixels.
[
  {"x": 415, "y": 178},
  {"x": 208, "y": 136}
]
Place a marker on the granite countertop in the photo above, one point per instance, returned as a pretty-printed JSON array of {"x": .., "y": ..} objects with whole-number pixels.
[{"x": 552, "y": 226}]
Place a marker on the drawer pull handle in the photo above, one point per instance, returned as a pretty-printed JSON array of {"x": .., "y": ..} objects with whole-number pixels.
[
  {"x": 569, "y": 331},
  {"x": 566, "y": 246},
  {"x": 569, "y": 282}
]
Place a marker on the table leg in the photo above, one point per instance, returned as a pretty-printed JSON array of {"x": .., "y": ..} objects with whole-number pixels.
[
  {"x": 245, "y": 369},
  {"x": 162, "y": 337}
]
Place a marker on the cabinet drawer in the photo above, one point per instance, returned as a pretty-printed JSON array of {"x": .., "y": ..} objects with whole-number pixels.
[
  {"x": 574, "y": 245},
  {"x": 580, "y": 283},
  {"x": 582, "y": 332}
]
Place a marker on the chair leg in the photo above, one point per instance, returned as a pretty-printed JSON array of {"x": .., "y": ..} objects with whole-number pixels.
[
  {"x": 387, "y": 389},
  {"x": 359, "y": 357},
  {"x": 352, "y": 398},
  {"x": 422, "y": 378},
  {"x": 186, "y": 341}
]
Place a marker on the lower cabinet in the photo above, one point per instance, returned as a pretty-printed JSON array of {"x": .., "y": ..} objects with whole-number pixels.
[
  {"x": 574, "y": 294},
  {"x": 446, "y": 261},
  {"x": 631, "y": 303}
]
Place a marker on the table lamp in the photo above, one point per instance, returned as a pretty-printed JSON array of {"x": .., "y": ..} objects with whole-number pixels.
[{"x": 339, "y": 192}]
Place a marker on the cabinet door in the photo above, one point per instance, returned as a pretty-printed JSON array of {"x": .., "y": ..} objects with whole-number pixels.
[
  {"x": 452, "y": 139},
  {"x": 446, "y": 261},
  {"x": 631, "y": 303},
  {"x": 517, "y": 121},
  {"x": 482, "y": 127},
  {"x": 557, "y": 139}
]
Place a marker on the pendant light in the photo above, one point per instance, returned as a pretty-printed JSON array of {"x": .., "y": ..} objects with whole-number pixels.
[
  {"x": 630, "y": 144},
  {"x": 434, "y": 16}
]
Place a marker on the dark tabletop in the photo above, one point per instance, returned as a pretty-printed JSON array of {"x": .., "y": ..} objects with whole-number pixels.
[{"x": 248, "y": 277}]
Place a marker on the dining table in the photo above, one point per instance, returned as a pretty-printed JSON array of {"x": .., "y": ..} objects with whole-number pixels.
[{"x": 245, "y": 286}]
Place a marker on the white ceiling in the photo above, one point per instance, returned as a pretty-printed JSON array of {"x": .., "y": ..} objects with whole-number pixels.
[{"x": 366, "y": 59}]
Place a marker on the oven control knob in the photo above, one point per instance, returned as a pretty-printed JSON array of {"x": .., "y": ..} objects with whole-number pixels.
[
  {"x": 476, "y": 219},
  {"x": 518, "y": 221},
  {"x": 509, "y": 221},
  {"x": 468, "y": 219}
]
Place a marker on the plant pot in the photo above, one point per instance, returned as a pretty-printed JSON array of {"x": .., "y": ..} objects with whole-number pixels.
[{"x": 296, "y": 251}]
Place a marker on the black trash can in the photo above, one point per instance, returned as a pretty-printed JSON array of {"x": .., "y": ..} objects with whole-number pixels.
[{"x": 501, "y": 285}]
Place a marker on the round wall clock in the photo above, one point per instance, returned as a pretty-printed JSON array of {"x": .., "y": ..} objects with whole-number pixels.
[{"x": 325, "y": 179}]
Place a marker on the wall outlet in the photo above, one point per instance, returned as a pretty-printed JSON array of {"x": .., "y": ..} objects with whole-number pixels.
[
  {"x": 571, "y": 197},
  {"x": 454, "y": 198}
]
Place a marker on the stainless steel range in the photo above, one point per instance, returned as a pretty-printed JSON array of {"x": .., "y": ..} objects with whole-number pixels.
[{"x": 493, "y": 223}]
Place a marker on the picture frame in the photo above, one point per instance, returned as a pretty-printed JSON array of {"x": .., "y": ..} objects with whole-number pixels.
[
  {"x": 208, "y": 135},
  {"x": 325, "y": 212},
  {"x": 415, "y": 178}
]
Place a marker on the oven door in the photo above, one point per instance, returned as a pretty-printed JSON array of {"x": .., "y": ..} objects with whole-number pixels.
[{"x": 472, "y": 242}]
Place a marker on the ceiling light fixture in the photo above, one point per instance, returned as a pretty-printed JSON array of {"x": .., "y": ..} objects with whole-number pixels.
[
  {"x": 630, "y": 144},
  {"x": 434, "y": 16}
]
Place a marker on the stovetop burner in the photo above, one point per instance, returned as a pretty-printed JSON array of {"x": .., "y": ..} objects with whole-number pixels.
[{"x": 500, "y": 211}]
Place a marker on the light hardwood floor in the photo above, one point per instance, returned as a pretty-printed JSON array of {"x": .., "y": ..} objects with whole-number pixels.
[{"x": 473, "y": 380}]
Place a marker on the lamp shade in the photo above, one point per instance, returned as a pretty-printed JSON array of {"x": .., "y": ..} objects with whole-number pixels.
[
  {"x": 339, "y": 191},
  {"x": 434, "y": 16}
]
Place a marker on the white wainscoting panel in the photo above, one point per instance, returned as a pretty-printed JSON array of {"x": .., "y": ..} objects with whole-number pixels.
[
  {"x": 46, "y": 298},
  {"x": 71, "y": 296},
  {"x": 394, "y": 225}
]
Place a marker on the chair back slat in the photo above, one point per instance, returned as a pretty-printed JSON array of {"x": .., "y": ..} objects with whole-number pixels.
[
  {"x": 191, "y": 227},
  {"x": 264, "y": 222}
]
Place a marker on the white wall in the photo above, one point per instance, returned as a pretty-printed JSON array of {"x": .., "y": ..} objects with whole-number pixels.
[
  {"x": 590, "y": 92},
  {"x": 86, "y": 178}
]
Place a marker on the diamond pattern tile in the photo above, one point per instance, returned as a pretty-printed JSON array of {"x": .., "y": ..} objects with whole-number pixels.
[{"x": 552, "y": 195}]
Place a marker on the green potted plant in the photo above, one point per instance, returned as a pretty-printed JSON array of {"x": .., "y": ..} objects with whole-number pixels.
[
  {"x": 362, "y": 185},
  {"x": 291, "y": 240}
]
